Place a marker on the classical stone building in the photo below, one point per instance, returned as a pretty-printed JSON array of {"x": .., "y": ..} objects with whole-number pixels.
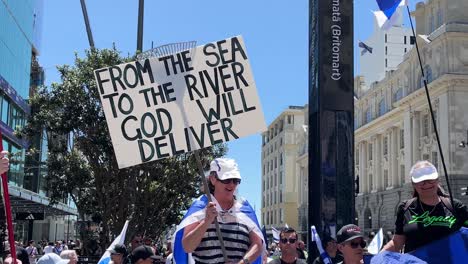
[
  {"x": 279, "y": 182},
  {"x": 393, "y": 122}
]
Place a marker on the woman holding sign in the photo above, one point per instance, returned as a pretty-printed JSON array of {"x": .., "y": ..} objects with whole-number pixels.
[{"x": 242, "y": 236}]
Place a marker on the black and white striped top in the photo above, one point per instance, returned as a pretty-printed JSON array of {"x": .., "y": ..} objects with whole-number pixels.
[{"x": 236, "y": 241}]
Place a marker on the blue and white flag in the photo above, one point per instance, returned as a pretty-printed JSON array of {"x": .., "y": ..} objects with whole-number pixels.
[
  {"x": 241, "y": 209},
  {"x": 388, "y": 15},
  {"x": 276, "y": 234},
  {"x": 376, "y": 244},
  {"x": 120, "y": 239},
  {"x": 365, "y": 48},
  {"x": 323, "y": 254}
]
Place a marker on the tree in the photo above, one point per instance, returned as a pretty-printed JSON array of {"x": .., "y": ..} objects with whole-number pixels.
[{"x": 82, "y": 165}]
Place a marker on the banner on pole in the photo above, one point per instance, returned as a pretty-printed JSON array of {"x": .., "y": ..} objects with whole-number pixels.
[{"x": 160, "y": 107}]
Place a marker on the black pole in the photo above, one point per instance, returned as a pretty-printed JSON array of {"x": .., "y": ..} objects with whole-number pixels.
[
  {"x": 430, "y": 108},
  {"x": 88, "y": 27},
  {"x": 141, "y": 8}
]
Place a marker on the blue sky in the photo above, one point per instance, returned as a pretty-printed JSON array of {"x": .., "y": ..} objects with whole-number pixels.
[{"x": 275, "y": 34}]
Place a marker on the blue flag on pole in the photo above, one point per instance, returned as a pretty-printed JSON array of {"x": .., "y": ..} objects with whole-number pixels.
[
  {"x": 386, "y": 16},
  {"x": 242, "y": 209}
]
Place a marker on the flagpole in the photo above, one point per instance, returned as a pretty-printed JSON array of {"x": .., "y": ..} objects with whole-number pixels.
[
  {"x": 6, "y": 197},
  {"x": 208, "y": 195},
  {"x": 430, "y": 107}
]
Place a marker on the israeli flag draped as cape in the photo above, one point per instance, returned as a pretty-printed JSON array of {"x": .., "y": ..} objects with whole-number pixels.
[
  {"x": 120, "y": 239},
  {"x": 196, "y": 212},
  {"x": 387, "y": 15}
]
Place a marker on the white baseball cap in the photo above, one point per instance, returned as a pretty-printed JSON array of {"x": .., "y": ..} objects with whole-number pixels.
[
  {"x": 423, "y": 171},
  {"x": 52, "y": 258},
  {"x": 225, "y": 168}
]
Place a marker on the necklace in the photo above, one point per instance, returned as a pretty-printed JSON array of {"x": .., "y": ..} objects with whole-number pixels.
[{"x": 422, "y": 207}]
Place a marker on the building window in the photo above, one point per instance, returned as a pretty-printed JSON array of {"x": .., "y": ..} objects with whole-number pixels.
[
  {"x": 402, "y": 138},
  {"x": 406, "y": 50},
  {"x": 281, "y": 215},
  {"x": 412, "y": 40},
  {"x": 425, "y": 125},
  {"x": 398, "y": 95},
  {"x": 385, "y": 145},
  {"x": 435, "y": 159},
  {"x": 385, "y": 178},
  {"x": 368, "y": 115},
  {"x": 289, "y": 119},
  {"x": 276, "y": 179},
  {"x": 428, "y": 74},
  {"x": 382, "y": 107},
  {"x": 431, "y": 23},
  {"x": 276, "y": 163},
  {"x": 385, "y": 38},
  {"x": 386, "y": 50},
  {"x": 386, "y": 63},
  {"x": 280, "y": 196},
  {"x": 369, "y": 150},
  {"x": 281, "y": 177},
  {"x": 426, "y": 157},
  {"x": 371, "y": 183},
  {"x": 435, "y": 118},
  {"x": 404, "y": 40},
  {"x": 5, "y": 110},
  {"x": 439, "y": 17}
]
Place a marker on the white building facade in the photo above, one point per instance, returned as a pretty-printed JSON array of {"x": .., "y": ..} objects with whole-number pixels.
[
  {"x": 279, "y": 182},
  {"x": 393, "y": 122},
  {"x": 388, "y": 49}
]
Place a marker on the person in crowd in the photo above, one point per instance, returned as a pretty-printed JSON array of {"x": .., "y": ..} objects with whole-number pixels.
[
  {"x": 143, "y": 255},
  {"x": 288, "y": 246},
  {"x": 4, "y": 162},
  {"x": 301, "y": 252},
  {"x": 243, "y": 239},
  {"x": 9, "y": 260},
  {"x": 351, "y": 244},
  {"x": 331, "y": 247},
  {"x": 32, "y": 252},
  {"x": 49, "y": 248},
  {"x": 169, "y": 255},
  {"x": 137, "y": 240},
  {"x": 22, "y": 254},
  {"x": 71, "y": 255},
  {"x": 118, "y": 254},
  {"x": 429, "y": 215},
  {"x": 52, "y": 258}
]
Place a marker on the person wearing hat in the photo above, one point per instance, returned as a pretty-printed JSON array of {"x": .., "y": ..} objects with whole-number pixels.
[
  {"x": 351, "y": 244},
  {"x": 143, "y": 255},
  {"x": 429, "y": 215},
  {"x": 330, "y": 246},
  {"x": 118, "y": 254},
  {"x": 242, "y": 238},
  {"x": 52, "y": 258}
]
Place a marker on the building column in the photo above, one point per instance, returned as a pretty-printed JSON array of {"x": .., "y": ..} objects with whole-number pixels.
[
  {"x": 364, "y": 166},
  {"x": 394, "y": 160},
  {"x": 407, "y": 126},
  {"x": 416, "y": 135},
  {"x": 378, "y": 163}
]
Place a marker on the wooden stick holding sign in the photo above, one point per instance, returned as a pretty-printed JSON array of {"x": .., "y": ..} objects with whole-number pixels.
[
  {"x": 165, "y": 106},
  {"x": 9, "y": 218}
]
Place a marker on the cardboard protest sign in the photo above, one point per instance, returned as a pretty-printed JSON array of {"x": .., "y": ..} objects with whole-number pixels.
[{"x": 160, "y": 107}]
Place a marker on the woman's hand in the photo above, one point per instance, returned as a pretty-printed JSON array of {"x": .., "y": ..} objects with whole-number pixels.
[
  {"x": 211, "y": 212},
  {"x": 4, "y": 162}
]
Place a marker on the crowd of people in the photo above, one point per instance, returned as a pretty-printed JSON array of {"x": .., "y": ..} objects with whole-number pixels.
[{"x": 428, "y": 216}]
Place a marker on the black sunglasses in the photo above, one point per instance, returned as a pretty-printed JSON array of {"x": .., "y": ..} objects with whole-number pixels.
[
  {"x": 291, "y": 240},
  {"x": 354, "y": 245},
  {"x": 228, "y": 181}
]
